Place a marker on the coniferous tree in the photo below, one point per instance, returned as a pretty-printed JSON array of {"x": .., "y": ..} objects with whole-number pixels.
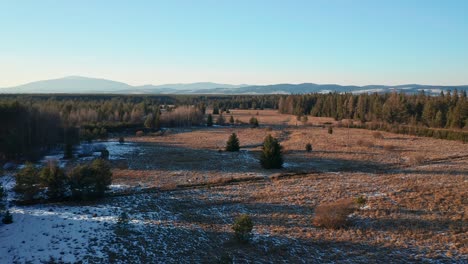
[
  {"x": 231, "y": 120},
  {"x": 232, "y": 143},
  {"x": 209, "y": 120},
  {"x": 220, "y": 121},
  {"x": 253, "y": 122},
  {"x": 27, "y": 181},
  {"x": 271, "y": 156},
  {"x": 54, "y": 178}
]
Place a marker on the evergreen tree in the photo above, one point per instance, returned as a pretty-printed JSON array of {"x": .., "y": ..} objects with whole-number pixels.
[
  {"x": 27, "y": 181},
  {"x": 271, "y": 156},
  {"x": 231, "y": 120},
  {"x": 209, "y": 120},
  {"x": 90, "y": 181},
  {"x": 215, "y": 110},
  {"x": 54, "y": 178},
  {"x": 308, "y": 147},
  {"x": 253, "y": 122},
  {"x": 330, "y": 130},
  {"x": 220, "y": 121},
  {"x": 232, "y": 143},
  {"x": 150, "y": 121}
]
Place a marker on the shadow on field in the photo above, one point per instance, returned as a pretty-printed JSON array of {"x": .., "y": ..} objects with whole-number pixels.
[
  {"x": 201, "y": 232},
  {"x": 175, "y": 157}
]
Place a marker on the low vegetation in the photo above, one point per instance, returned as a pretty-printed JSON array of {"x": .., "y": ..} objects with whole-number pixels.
[
  {"x": 242, "y": 227},
  {"x": 334, "y": 215}
]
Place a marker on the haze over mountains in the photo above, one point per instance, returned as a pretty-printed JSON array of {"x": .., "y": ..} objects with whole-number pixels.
[{"x": 85, "y": 85}]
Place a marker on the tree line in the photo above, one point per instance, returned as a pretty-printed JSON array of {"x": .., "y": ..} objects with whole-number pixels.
[{"x": 442, "y": 116}]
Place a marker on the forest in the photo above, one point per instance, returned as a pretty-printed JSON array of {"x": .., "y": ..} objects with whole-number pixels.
[{"x": 34, "y": 123}]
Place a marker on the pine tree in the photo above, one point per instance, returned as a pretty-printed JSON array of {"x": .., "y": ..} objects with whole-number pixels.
[
  {"x": 231, "y": 120},
  {"x": 209, "y": 120},
  {"x": 27, "y": 181},
  {"x": 232, "y": 143},
  {"x": 54, "y": 179},
  {"x": 220, "y": 121},
  {"x": 215, "y": 110},
  {"x": 271, "y": 156},
  {"x": 330, "y": 130},
  {"x": 149, "y": 121},
  {"x": 308, "y": 147}
]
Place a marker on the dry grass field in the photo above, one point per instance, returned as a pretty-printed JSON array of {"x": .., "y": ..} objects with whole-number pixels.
[{"x": 415, "y": 192}]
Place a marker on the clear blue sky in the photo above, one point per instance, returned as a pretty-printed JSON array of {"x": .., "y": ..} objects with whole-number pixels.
[{"x": 254, "y": 42}]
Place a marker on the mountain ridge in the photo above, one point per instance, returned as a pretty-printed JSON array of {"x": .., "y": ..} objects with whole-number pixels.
[{"x": 82, "y": 85}]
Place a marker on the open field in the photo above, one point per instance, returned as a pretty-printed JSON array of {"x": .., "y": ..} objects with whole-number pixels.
[{"x": 181, "y": 195}]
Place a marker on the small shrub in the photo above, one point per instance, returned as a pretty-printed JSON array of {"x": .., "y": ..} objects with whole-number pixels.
[
  {"x": 121, "y": 140},
  {"x": 365, "y": 143},
  {"x": 242, "y": 227},
  {"x": 334, "y": 215},
  {"x": 330, "y": 130},
  {"x": 140, "y": 133},
  {"x": 233, "y": 143},
  {"x": 377, "y": 135},
  {"x": 7, "y": 218},
  {"x": 417, "y": 160},
  {"x": 123, "y": 219},
  {"x": 389, "y": 147},
  {"x": 361, "y": 200},
  {"x": 308, "y": 147}
]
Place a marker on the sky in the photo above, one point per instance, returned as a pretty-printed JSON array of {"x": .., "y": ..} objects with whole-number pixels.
[{"x": 352, "y": 42}]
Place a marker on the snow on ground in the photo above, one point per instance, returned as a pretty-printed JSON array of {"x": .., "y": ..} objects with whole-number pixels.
[
  {"x": 66, "y": 233},
  {"x": 119, "y": 150}
]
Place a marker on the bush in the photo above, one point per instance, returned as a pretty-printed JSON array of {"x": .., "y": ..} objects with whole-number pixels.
[
  {"x": 271, "y": 156},
  {"x": 140, "y": 133},
  {"x": 233, "y": 143},
  {"x": 361, "y": 200},
  {"x": 377, "y": 135},
  {"x": 54, "y": 179},
  {"x": 27, "y": 181},
  {"x": 121, "y": 140},
  {"x": 389, "y": 147},
  {"x": 242, "y": 227},
  {"x": 368, "y": 144},
  {"x": 90, "y": 181},
  {"x": 334, "y": 215},
  {"x": 417, "y": 160},
  {"x": 7, "y": 218},
  {"x": 253, "y": 122},
  {"x": 330, "y": 130},
  {"x": 308, "y": 147},
  {"x": 123, "y": 219}
]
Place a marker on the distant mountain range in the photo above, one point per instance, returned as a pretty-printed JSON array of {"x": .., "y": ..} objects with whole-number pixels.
[{"x": 84, "y": 85}]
